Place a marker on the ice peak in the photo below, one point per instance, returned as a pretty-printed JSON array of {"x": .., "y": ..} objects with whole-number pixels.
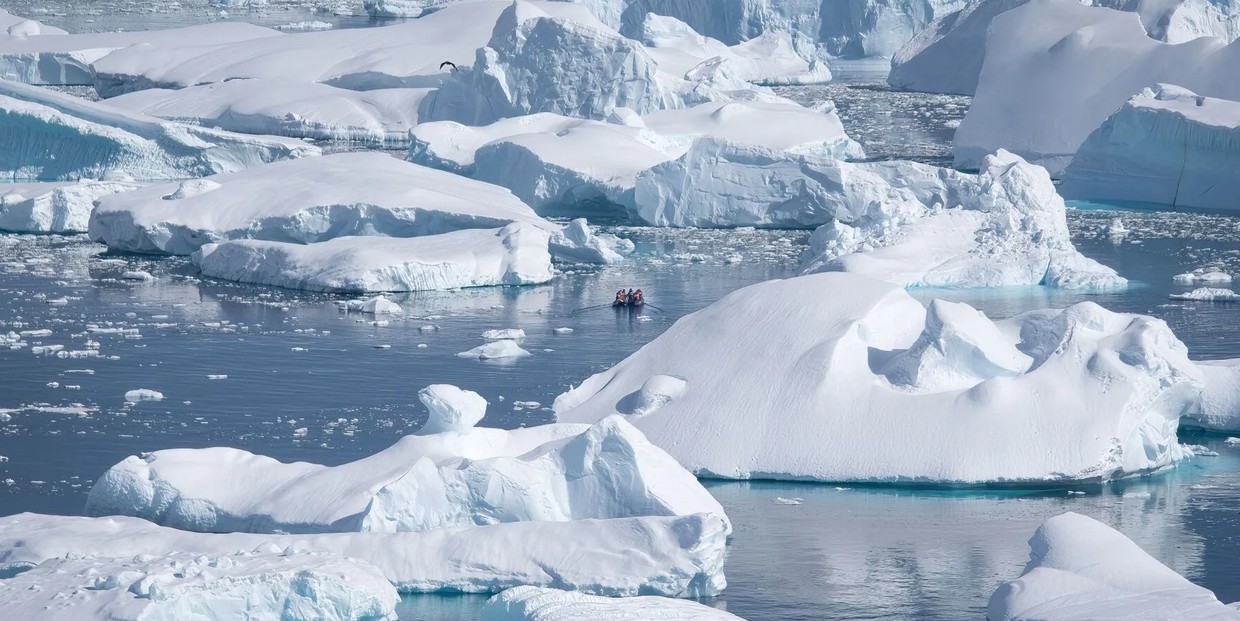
[{"x": 451, "y": 408}]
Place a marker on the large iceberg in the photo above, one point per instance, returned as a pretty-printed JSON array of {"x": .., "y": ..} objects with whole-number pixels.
[
  {"x": 1220, "y": 402},
  {"x": 449, "y": 475},
  {"x": 670, "y": 556},
  {"x": 872, "y": 386},
  {"x": 1166, "y": 145},
  {"x": 263, "y": 585},
  {"x": 49, "y": 207},
  {"x": 543, "y": 604},
  {"x": 1056, "y": 69},
  {"x": 1080, "y": 569},
  {"x": 51, "y": 136}
]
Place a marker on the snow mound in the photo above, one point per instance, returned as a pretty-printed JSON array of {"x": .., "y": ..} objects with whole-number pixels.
[
  {"x": 1208, "y": 294},
  {"x": 53, "y": 207},
  {"x": 1005, "y": 226},
  {"x": 836, "y": 382},
  {"x": 450, "y": 474},
  {"x": 514, "y": 255},
  {"x": 1165, "y": 145},
  {"x": 1054, "y": 71},
  {"x": 1080, "y": 568},
  {"x": 57, "y": 137},
  {"x": 259, "y": 586},
  {"x": 543, "y": 604},
  {"x": 669, "y": 556},
  {"x": 495, "y": 350}
]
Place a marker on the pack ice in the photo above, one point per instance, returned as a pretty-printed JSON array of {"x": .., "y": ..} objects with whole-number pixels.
[
  {"x": 1082, "y": 569},
  {"x": 258, "y": 586},
  {"x": 51, "y": 136},
  {"x": 1055, "y": 70},
  {"x": 450, "y": 475},
  {"x": 1165, "y": 145},
  {"x": 543, "y": 604},
  {"x": 872, "y": 386},
  {"x": 623, "y": 557},
  {"x": 48, "y": 207},
  {"x": 1005, "y": 226}
]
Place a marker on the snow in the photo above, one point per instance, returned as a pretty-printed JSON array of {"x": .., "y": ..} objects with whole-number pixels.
[
  {"x": 1055, "y": 70},
  {"x": 670, "y": 556},
  {"x": 449, "y": 474},
  {"x": 1008, "y": 226},
  {"x": 1165, "y": 145},
  {"x": 58, "y": 137},
  {"x": 143, "y": 394},
  {"x": 44, "y": 207},
  {"x": 1080, "y": 568},
  {"x": 284, "y": 108},
  {"x": 543, "y": 604},
  {"x": 834, "y": 399},
  {"x": 496, "y": 350},
  {"x": 514, "y": 255},
  {"x": 259, "y": 586},
  {"x": 1208, "y": 294}
]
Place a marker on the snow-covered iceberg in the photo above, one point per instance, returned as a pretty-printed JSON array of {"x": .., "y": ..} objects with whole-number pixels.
[
  {"x": 860, "y": 382},
  {"x": 1055, "y": 70},
  {"x": 263, "y": 585},
  {"x": 1006, "y": 226},
  {"x": 281, "y": 108},
  {"x": 51, "y": 136},
  {"x": 1080, "y": 569},
  {"x": 44, "y": 207},
  {"x": 1165, "y": 145},
  {"x": 543, "y": 604},
  {"x": 452, "y": 474},
  {"x": 669, "y": 556},
  {"x": 514, "y": 255}
]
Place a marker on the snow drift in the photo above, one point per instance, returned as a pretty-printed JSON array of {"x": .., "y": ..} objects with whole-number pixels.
[
  {"x": 53, "y": 207},
  {"x": 543, "y": 604},
  {"x": 872, "y": 386}
]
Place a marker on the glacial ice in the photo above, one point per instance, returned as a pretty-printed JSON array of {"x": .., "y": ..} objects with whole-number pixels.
[
  {"x": 1165, "y": 145},
  {"x": 543, "y": 604},
  {"x": 669, "y": 556},
  {"x": 49, "y": 207},
  {"x": 1082, "y": 569},
  {"x": 1220, "y": 400},
  {"x": 835, "y": 382},
  {"x": 52, "y": 136},
  {"x": 263, "y": 585},
  {"x": 456, "y": 476}
]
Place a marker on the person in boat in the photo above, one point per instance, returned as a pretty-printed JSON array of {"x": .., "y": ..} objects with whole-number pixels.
[
  {"x": 621, "y": 298},
  {"x": 628, "y": 298},
  {"x": 638, "y": 298}
]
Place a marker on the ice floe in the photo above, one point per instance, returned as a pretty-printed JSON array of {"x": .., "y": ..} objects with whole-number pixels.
[
  {"x": 49, "y": 207},
  {"x": 543, "y": 604},
  {"x": 496, "y": 350},
  {"x": 943, "y": 391},
  {"x": 1208, "y": 294}
]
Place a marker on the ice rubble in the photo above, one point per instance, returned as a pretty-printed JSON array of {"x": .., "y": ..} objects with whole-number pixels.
[
  {"x": 459, "y": 476},
  {"x": 943, "y": 392},
  {"x": 1008, "y": 226},
  {"x": 1055, "y": 70},
  {"x": 1165, "y": 145},
  {"x": 52, "y": 136},
  {"x": 257, "y": 586},
  {"x": 670, "y": 556},
  {"x": 1080, "y": 569},
  {"x": 543, "y": 604},
  {"x": 44, "y": 207},
  {"x": 514, "y": 255}
]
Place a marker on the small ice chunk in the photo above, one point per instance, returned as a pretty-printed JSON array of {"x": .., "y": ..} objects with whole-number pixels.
[
  {"x": 381, "y": 306},
  {"x": 138, "y": 275},
  {"x": 1208, "y": 294},
  {"x": 143, "y": 394},
  {"x": 1202, "y": 277},
  {"x": 499, "y": 335},
  {"x": 217, "y": 377},
  {"x": 563, "y": 330},
  {"x": 495, "y": 350},
  {"x": 780, "y": 500}
]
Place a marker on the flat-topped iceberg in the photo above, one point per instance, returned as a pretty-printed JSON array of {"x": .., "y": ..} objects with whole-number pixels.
[
  {"x": 543, "y": 604},
  {"x": 669, "y": 556},
  {"x": 450, "y": 475},
  {"x": 1165, "y": 145},
  {"x": 52, "y": 136},
  {"x": 1220, "y": 400},
  {"x": 1081, "y": 569},
  {"x": 50, "y": 207},
  {"x": 263, "y": 585},
  {"x": 943, "y": 392},
  {"x": 514, "y": 255}
]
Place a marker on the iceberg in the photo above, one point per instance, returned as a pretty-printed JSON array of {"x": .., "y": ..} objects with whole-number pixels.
[
  {"x": 1080, "y": 568},
  {"x": 497, "y": 350},
  {"x": 514, "y": 255},
  {"x": 942, "y": 392},
  {"x": 1055, "y": 70},
  {"x": 403, "y": 8},
  {"x": 16, "y": 26},
  {"x": 947, "y": 56},
  {"x": 543, "y": 604},
  {"x": 51, "y": 136},
  {"x": 450, "y": 474},
  {"x": 1208, "y": 294},
  {"x": 1202, "y": 275},
  {"x": 45, "y": 207},
  {"x": 1220, "y": 401},
  {"x": 624, "y": 557},
  {"x": 263, "y": 585},
  {"x": 1165, "y": 145}
]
